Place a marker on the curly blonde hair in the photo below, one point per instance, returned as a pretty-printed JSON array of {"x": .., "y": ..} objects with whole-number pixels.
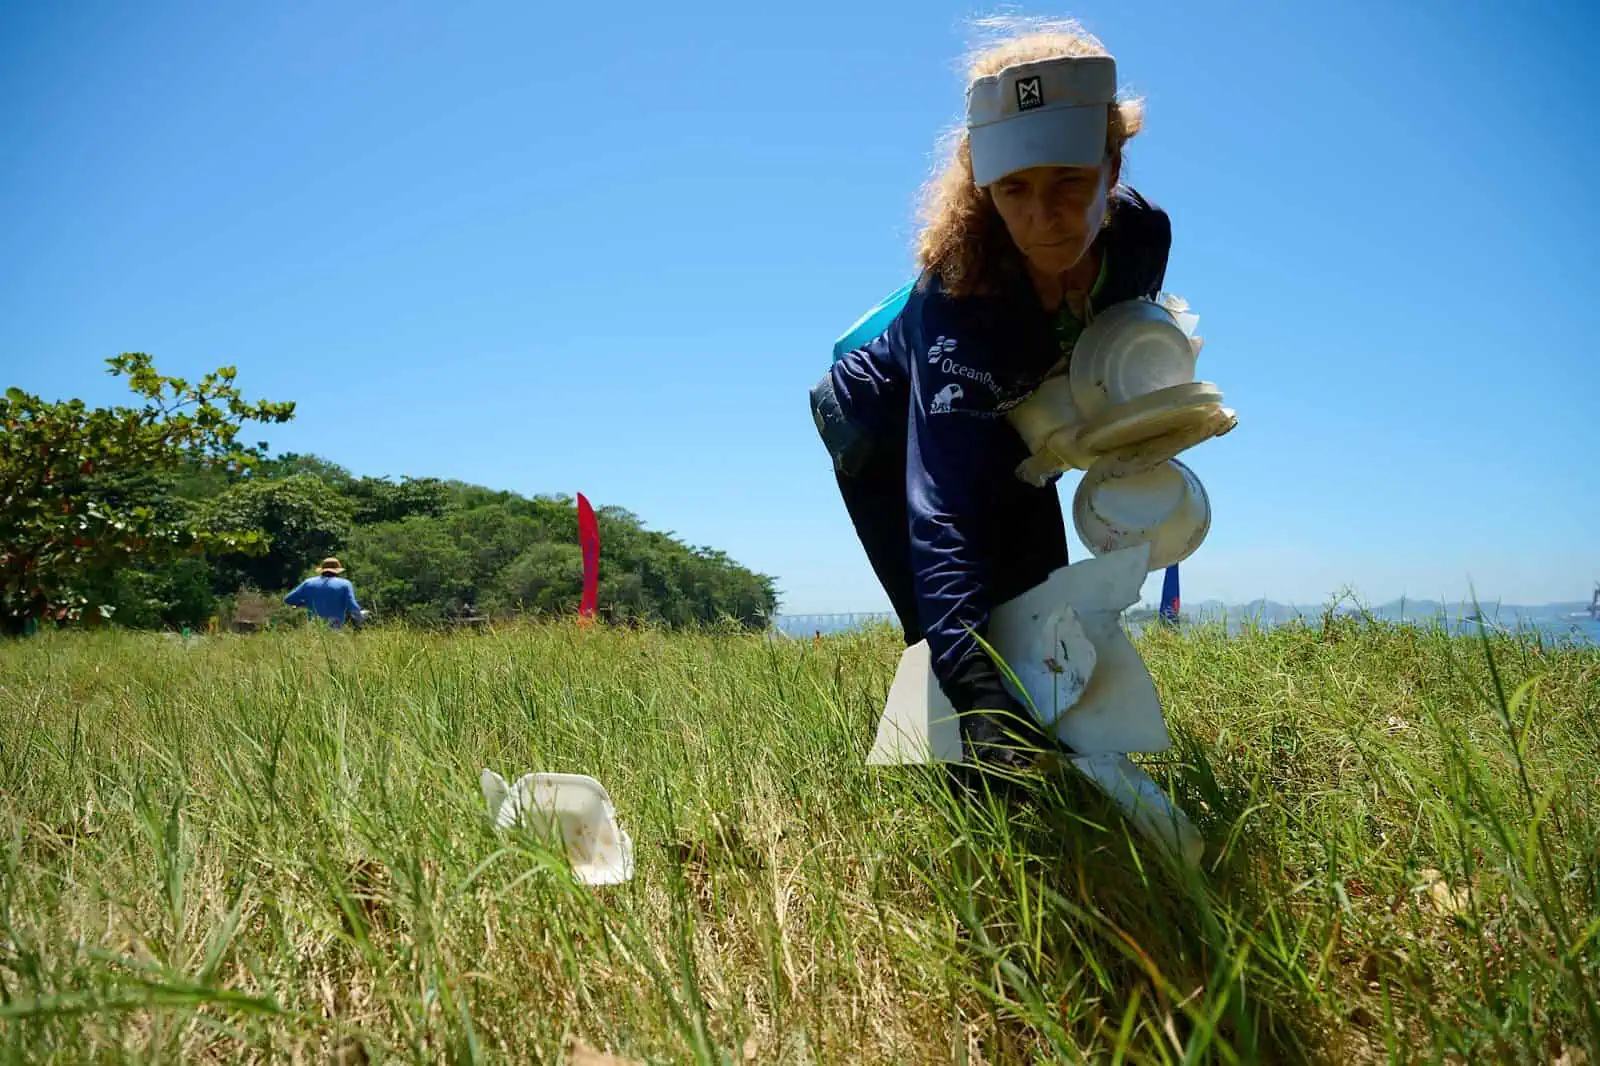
[{"x": 963, "y": 240}]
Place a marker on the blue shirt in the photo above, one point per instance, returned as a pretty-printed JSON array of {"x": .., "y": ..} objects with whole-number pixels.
[
  {"x": 327, "y": 597},
  {"x": 935, "y": 387}
]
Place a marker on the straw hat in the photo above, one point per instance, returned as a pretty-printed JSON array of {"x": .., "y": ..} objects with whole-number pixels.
[{"x": 330, "y": 565}]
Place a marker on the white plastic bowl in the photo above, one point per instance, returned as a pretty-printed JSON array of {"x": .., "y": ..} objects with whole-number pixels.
[
  {"x": 1165, "y": 507},
  {"x": 574, "y": 812},
  {"x": 1130, "y": 350}
]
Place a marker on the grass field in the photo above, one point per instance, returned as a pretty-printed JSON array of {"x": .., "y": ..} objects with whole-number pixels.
[{"x": 273, "y": 848}]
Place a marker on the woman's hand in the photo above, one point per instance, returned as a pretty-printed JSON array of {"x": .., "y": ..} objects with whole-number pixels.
[{"x": 1005, "y": 738}]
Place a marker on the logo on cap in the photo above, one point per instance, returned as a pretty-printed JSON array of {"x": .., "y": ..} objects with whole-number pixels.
[{"x": 1030, "y": 94}]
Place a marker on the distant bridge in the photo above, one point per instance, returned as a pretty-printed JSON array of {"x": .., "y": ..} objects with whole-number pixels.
[{"x": 801, "y": 625}]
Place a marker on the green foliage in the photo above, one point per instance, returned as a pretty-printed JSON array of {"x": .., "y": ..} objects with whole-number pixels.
[
  {"x": 380, "y": 500},
  {"x": 507, "y": 554},
  {"x": 150, "y": 514},
  {"x": 291, "y": 463},
  {"x": 301, "y": 517},
  {"x": 173, "y": 595},
  {"x": 547, "y": 578},
  {"x": 85, "y": 492},
  {"x": 412, "y": 568}
]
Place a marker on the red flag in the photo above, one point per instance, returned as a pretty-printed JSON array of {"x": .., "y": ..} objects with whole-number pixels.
[{"x": 589, "y": 541}]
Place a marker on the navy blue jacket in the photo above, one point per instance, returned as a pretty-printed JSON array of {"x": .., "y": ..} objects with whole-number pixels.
[{"x": 941, "y": 378}]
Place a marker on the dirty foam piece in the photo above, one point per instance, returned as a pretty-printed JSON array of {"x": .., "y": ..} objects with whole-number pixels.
[
  {"x": 599, "y": 850},
  {"x": 1116, "y": 709},
  {"x": 1109, "y": 709},
  {"x": 1060, "y": 660}
]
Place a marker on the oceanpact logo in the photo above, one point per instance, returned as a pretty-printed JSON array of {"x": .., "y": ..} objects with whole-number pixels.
[
  {"x": 1030, "y": 93},
  {"x": 982, "y": 377},
  {"x": 945, "y": 398},
  {"x": 941, "y": 347}
]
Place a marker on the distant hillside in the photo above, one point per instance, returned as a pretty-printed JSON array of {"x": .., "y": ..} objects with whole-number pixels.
[
  {"x": 427, "y": 550},
  {"x": 1273, "y": 612}
]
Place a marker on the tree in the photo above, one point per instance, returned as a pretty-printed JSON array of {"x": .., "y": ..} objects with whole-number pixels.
[
  {"x": 302, "y": 518},
  {"x": 493, "y": 536},
  {"x": 178, "y": 593},
  {"x": 411, "y": 569},
  {"x": 378, "y": 499},
  {"x": 546, "y": 579},
  {"x": 291, "y": 463},
  {"x": 82, "y": 489},
  {"x": 150, "y": 512}
]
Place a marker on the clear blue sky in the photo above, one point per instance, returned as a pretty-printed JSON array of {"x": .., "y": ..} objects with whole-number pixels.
[{"x": 555, "y": 248}]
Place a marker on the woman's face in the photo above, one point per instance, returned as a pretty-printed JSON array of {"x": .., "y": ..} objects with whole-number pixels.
[{"x": 1053, "y": 213}]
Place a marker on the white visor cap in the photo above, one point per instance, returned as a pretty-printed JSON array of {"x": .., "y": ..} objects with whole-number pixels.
[{"x": 1048, "y": 113}]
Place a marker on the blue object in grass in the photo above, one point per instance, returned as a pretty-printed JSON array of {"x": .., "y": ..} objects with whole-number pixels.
[{"x": 1170, "y": 600}]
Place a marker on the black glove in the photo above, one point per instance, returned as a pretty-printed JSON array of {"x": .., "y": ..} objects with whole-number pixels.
[{"x": 996, "y": 729}]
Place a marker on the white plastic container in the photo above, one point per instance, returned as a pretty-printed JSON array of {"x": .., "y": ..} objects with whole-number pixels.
[
  {"x": 1132, "y": 349},
  {"x": 1164, "y": 506},
  {"x": 575, "y": 805},
  {"x": 1112, "y": 706},
  {"x": 1048, "y": 421},
  {"x": 1177, "y": 409}
]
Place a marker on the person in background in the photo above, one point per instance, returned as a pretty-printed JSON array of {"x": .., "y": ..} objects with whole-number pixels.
[
  {"x": 1028, "y": 233},
  {"x": 328, "y": 596}
]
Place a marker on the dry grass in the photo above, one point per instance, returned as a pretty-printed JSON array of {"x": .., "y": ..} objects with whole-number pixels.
[{"x": 273, "y": 848}]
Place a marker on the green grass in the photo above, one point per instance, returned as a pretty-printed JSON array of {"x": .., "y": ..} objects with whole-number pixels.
[{"x": 273, "y": 848}]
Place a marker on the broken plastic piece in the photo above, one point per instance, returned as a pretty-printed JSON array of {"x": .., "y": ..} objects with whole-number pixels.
[
  {"x": 600, "y": 852},
  {"x": 1117, "y": 710},
  {"x": 1146, "y": 806}
]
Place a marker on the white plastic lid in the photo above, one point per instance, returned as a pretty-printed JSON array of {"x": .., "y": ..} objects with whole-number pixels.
[{"x": 1156, "y": 414}]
